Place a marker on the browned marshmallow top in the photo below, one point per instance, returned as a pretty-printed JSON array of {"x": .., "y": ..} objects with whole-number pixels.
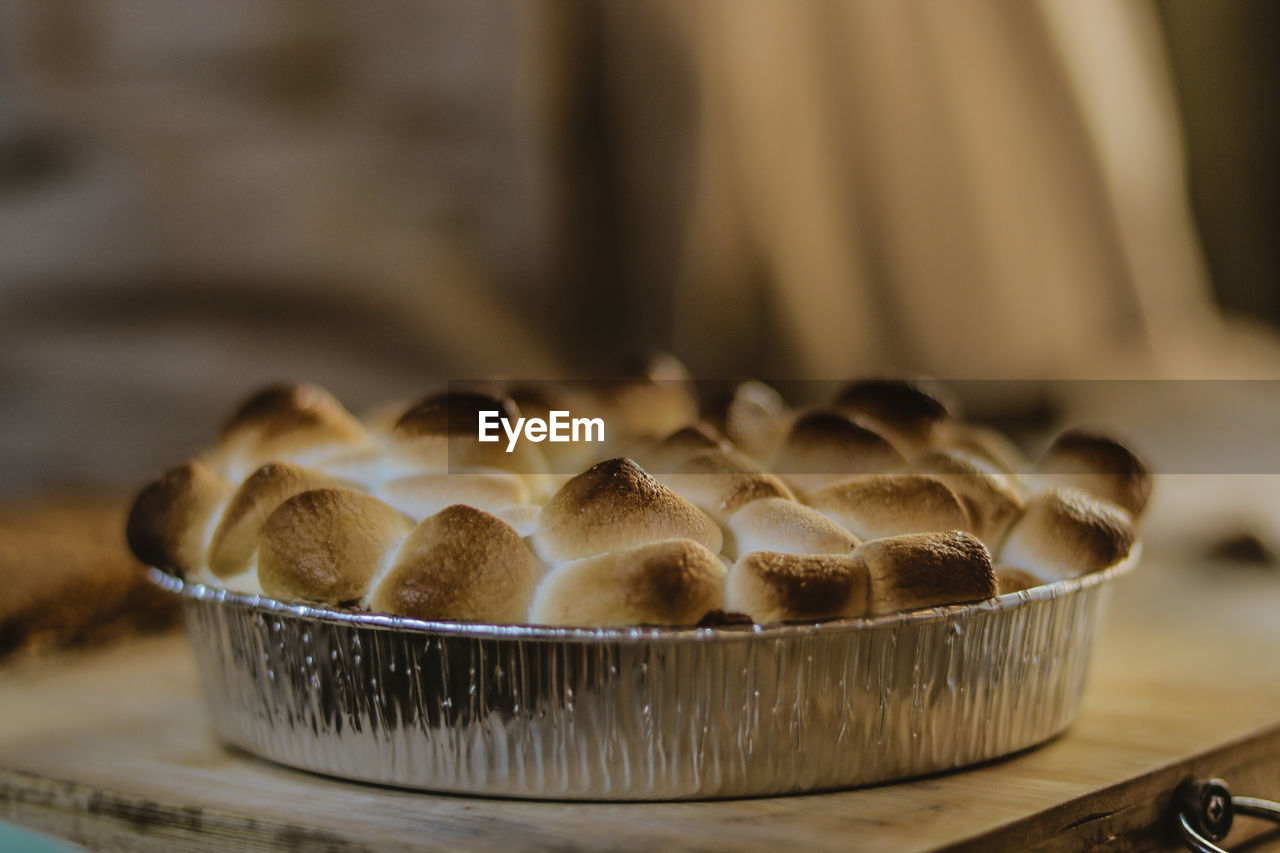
[
  {"x": 325, "y": 545},
  {"x": 1099, "y": 465},
  {"x": 460, "y": 563},
  {"x": 883, "y": 500},
  {"x": 879, "y": 505},
  {"x": 752, "y": 416},
  {"x": 667, "y": 455},
  {"x": 302, "y": 423},
  {"x": 292, "y": 412},
  {"x": 773, "y": 587},
  {"x": 674, "y": 582},
  {"x": 614, "y": 505},
  {"x": 987, "y": 447},
  {"x": 926, "y": 570},
  {"x": 1065, "y": 532},
  {"x": 824, "y": 447},
  {"x": 785, "y": 526},
  {"x": 720, "y": 483},
  {"x": 452, "y": 413},
  {"x": 653, "y": 404},
  {"x": 442, "y": 432},
  {"x": 909, "y": 409},
  {"x": 991, "y": 500},
  {"x": 236, "y": 536},
  {"x": 166, "y": 525}
]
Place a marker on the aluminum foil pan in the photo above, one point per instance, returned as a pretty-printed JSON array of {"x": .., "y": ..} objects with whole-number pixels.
[{"x": 642, "y": 714}]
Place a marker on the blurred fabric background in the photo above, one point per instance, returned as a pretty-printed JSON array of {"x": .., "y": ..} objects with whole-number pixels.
[{"x": 199, "y": 198}]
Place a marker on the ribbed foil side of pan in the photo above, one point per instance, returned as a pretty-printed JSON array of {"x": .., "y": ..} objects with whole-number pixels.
[{"x": 710, "y": 714}]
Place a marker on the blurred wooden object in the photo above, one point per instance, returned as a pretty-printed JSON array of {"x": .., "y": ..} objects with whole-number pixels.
[{"x": 67, "y": 577}]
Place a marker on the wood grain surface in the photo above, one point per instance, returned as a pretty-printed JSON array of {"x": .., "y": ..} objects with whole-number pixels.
[{"x": 113, "y": 749}]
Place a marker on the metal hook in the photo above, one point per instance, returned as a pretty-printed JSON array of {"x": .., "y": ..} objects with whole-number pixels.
[{"x": 1206, "y": 810}]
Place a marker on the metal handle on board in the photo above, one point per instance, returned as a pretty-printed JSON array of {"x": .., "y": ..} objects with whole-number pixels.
[{"x": 1205, "y": 810}]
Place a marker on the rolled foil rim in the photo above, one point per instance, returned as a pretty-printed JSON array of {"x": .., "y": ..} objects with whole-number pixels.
[{"x": 647, "y": 634}]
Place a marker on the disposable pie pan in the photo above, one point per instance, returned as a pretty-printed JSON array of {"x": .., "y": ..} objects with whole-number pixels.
[{"x": 643, "y": 713}]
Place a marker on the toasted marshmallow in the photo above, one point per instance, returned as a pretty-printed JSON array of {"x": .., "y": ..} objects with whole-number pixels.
[
  {"x": 878, "y": 505},
  {"x": 654, "y": 404},
  {"x": 1097, "y": 464},
  {"x": 753, "y": 417},
  {"x": 909, "y": 410},
  {"x": 300, "y": 423},
  {"x": 1066, "y": 532},
  {"x": 539, "y": 400},
  {"x": 1014, "y": 580},
  {"x": 170, "y": 517},
  {"x": 460, "y": 563},
  {"x": 785, "y": 527},
  {"x": 442, "y": 433},
  {"x": 380, "y": 418},
  {"x": 990, "y": 499},
  {"x": 325, "y": 545},
  {"x": 674, "y": 582},
  {"x": 523, "y": 518},
  {"x": 236, "y": 537},
  {"x": 823, "y": 447},
  {"x": 369, "y": 464},
  {"x": 420, "y": 438},
  {"x": 773, "y": 587},
  {"x": 926, "y": 570},
  {"x": 987, "y": 447},
  {"x": 721, "y": 482},
  {"x": 330, "y": 517},
  {"x": 666, "y": 455},
  {"x": 421, "y": 495},
  {"x": 615, "y": 505},
  {"x": 363, "y": 466}
]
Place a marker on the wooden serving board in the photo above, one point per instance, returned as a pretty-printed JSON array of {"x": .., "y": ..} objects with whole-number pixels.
[{"x": 113, "y": 750}]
